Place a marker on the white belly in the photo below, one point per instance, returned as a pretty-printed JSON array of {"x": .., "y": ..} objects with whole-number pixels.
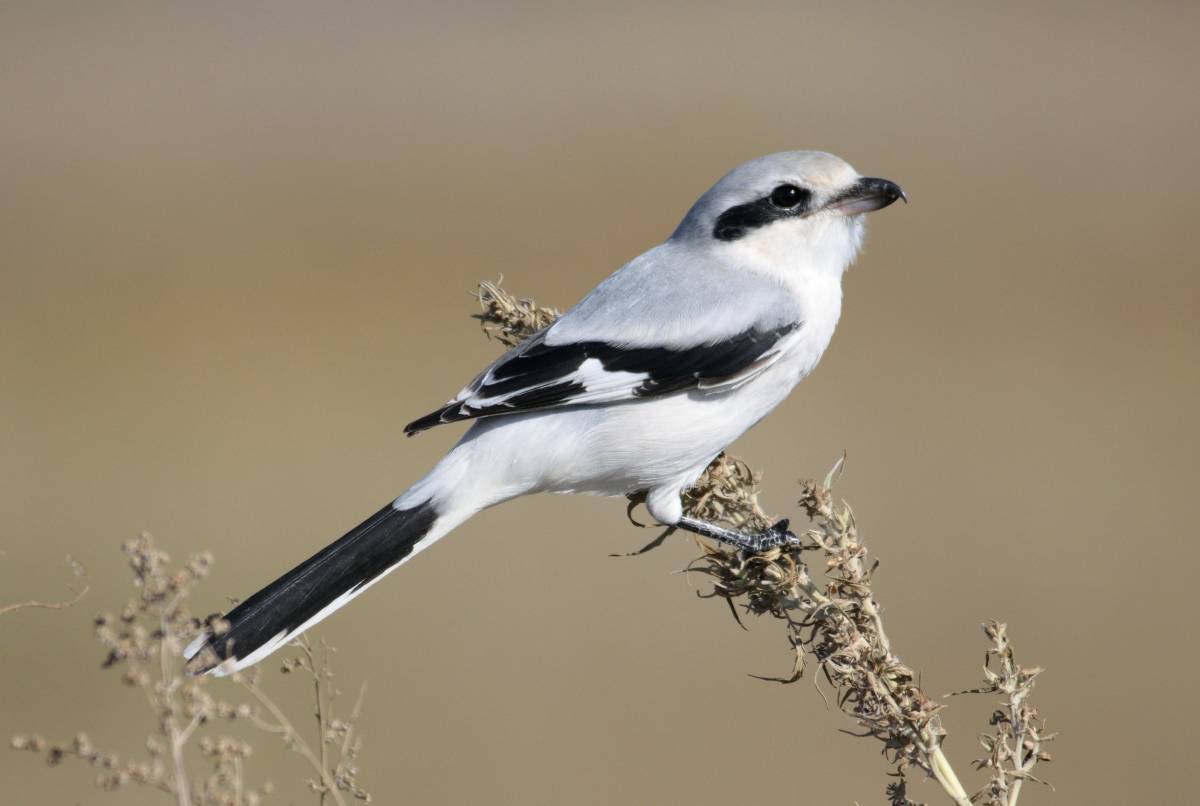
[{"x": 655, "y": 442}]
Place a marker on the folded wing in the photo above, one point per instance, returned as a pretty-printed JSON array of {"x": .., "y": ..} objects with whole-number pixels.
[
  {"x": 667, "y": 322},
  {"x": 538, "y": 375}
]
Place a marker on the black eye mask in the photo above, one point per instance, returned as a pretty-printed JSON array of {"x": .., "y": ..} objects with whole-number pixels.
[{"x": 785, "y": 201}]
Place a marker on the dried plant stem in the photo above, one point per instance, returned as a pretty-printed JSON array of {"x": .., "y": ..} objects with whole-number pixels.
[
  {"x": 9, "y": 608},
  {"x": 1021, "y": 769},
  {"x": 354, "y": 714},
  {"x": 167, "y": 686},
  {"x": 34, "y": 603},
  {"x": 237, "y": 782},
  {"x": 321, "y": 734},
  {"x": 1015, "y": 794},
  {"x": 839, "y": 623},
  {"x": 319, "y": 695},
  {"x": 945, "y": 775},
  {"x": 928, "y": 740},
  {"x": 509, "y": 319},
  {"x": 1015, "y": 747},
  {"x": 144, "y": 642},
  {"x": 183, "y": 793},
  {"x": 283, "y": 727},
  {"x": 1023, "y": 766}
]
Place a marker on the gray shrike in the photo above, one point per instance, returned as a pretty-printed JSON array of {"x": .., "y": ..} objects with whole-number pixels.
[{"x": 634, "y": 390}]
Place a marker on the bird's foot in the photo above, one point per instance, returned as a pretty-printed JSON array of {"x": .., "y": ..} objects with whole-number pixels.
[{"x": 754, "y": 542}]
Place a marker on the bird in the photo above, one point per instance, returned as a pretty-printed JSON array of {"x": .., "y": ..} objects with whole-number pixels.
[{"x": 633, "y": 391}]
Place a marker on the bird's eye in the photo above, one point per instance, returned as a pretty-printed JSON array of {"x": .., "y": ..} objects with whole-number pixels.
[{"x": 787, "y": 196}]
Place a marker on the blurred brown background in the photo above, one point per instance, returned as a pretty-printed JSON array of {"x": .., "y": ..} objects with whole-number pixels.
[{"x": 237, "y": 242}]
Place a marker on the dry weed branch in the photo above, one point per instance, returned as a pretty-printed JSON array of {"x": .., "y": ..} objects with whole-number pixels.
[
  {"x": 145, "y": 642},
  {"x": 78, "y": 570},
  {"x": 834, "y": 620},
  {"x": 509, "y": 319},
  {"x": 338, "y": 744},
  {"x": 1015, "y": 746}
]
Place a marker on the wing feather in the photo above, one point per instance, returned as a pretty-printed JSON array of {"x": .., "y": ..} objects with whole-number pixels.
[
  {"x": 671, "y": 320},
  {"x": 538, "y": 375}
]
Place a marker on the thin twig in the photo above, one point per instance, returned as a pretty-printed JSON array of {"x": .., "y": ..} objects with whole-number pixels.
[
  {"x": 143, "y": 642},
  {"x": 47, "y": 605},
  {"x": 320, "y": 712},
  {"x": 183, "y": 792},
  {"x": 354, "y": 715},
  {"x": 290, "y": 734},
  {"x": 78, "y": 570}
]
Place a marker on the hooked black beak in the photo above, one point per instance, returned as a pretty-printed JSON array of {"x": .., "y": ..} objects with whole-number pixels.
[{"x": 866, "y": 195}]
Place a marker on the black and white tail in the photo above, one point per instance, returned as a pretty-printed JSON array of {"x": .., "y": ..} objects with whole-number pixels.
[{"x": 312, "y": 590}]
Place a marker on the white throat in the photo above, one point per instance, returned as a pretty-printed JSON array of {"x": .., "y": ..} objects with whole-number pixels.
[{"x": 822, "y": 246}]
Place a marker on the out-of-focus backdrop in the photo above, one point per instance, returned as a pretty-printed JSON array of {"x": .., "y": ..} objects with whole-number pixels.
[{"x": 237, "y": 242}]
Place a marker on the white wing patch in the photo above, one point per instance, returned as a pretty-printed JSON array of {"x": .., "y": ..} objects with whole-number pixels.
[{"x": 538, "y": 375}]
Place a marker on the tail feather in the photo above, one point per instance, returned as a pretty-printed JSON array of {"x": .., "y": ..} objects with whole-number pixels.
[{"x": 311, "y": 591}]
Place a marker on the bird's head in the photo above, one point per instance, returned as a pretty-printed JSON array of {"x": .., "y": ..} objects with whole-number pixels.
[{"x": 794, "y": 208}]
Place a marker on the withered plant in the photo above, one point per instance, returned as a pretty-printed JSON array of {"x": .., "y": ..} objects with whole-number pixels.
[
  {"x": 187, "y": 757},
  {"x": 77, "y": 594}
]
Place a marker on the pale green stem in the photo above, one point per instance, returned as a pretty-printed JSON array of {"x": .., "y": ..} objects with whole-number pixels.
[{"x": 945, "y": 776}]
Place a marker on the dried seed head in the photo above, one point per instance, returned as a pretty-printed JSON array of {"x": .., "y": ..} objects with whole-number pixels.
[{"x": 509, "y": 319}]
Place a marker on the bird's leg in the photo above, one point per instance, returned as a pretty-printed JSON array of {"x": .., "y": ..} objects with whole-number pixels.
[{"x": 754, "y": 542}]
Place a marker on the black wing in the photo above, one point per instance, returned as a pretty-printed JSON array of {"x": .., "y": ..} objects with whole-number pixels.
[{"x": 537, "y": 375}]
